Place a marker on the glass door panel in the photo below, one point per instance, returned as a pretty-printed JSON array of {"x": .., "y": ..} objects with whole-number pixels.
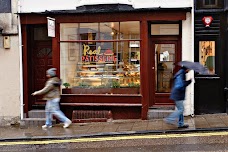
[{"x": 164, "y": 67}]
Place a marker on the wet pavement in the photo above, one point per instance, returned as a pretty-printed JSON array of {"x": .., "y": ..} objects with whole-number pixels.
[{"x": 210, "y": 122}]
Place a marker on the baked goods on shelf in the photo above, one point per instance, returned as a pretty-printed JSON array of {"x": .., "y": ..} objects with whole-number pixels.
[{"x": 102, "y": 74}]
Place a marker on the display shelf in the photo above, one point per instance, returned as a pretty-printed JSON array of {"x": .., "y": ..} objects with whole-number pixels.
[
  {"x": 88, "y": 71},
  {"x": 95, "y": 75},
  {"x": 92, "y": 66}
]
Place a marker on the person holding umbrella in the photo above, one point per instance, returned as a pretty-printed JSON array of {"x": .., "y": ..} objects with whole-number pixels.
[
  {"x": 178, "y": 95},
  {"x": 178, "y": 91}
]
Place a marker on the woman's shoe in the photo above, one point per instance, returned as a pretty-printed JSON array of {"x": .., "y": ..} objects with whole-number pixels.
[
  {"x": 46, "y": 126},
  {"x": 170, "y": 122},
  {"x": 67, "y": 124},
  {"x": 184, "y": 126}
]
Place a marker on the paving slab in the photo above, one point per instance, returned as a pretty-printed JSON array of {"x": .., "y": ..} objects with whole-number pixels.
[{"x": 116, "y": 127}]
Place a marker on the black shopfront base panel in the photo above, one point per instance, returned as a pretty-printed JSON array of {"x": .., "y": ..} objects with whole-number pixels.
[{"x": 209, "y": 96}]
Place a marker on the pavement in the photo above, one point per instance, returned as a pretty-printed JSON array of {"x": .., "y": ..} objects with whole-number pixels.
[{"x": 199, "y": 123}]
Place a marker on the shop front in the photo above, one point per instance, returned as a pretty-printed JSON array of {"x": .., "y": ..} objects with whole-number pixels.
[
  {"x": 211, "y": 51},
  {"x": 121, "y": 61}
]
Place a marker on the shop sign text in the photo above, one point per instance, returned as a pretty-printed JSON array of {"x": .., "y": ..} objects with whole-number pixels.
[{"x": 96, "y": 55}]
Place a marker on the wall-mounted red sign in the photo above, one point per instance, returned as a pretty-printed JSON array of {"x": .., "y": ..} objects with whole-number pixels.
[{"x": 207, "y": 21}]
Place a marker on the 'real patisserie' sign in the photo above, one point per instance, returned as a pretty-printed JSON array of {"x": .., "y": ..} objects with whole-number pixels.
[{"x": 96, "y": 55}]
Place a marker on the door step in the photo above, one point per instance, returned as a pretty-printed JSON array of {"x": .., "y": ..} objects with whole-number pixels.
[
  {"x": 170, "y": 107},
  {"x": 35, "y": 122},
  {"x": 38, "y": 106},
  {"x": 36, "y": 114},
  {"x": 83, "y": 116},
  {"x": 35, "y": 118},
  {"x": 160, "y": 112}
]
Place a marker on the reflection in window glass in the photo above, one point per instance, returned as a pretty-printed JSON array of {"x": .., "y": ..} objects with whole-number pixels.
[
  {"x": 108, "y": 63},
  {"x": 210, "y": 2},
  {"x": 207, "y": 55},
  {"x": 165, "y": 59},
  {"x": 69, "y": 32},
  {"x": 94, "y": 63},
  {"x": 165, "y": 29},
  {"x": 88, "y": 31},
  {"x": 129, "y": 30},
  {"x": 109, "y": 31}
]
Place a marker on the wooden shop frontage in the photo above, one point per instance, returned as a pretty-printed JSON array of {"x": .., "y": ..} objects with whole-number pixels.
[
  {"x": 117, "y": 59},
  {"x": 210, "y": 40}
]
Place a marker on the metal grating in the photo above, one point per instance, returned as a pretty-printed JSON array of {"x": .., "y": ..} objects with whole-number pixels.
[{"x": 91, "y": 115}]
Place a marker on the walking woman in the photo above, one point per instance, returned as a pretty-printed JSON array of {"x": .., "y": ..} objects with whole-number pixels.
[
  {"x": 51, "y": 93},
  {"x": 178, "y": 95}
]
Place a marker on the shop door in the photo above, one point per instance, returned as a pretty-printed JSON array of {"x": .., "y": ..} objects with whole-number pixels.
[
  {"x": 41, "y": 62},
  {"x": 165, "y": 55},
  {"x": 40, "y": 59}
]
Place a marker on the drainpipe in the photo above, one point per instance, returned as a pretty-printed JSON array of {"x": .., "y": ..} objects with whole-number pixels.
[
  {"x": 192, "y": 86},
  {"x": 20, "y": 64}
]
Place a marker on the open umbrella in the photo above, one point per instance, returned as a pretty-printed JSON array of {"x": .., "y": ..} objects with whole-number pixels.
[{"x": 196, "y": 66}]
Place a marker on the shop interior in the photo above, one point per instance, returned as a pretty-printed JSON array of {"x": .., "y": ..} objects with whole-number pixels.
[{"x": 100, "y": 55}]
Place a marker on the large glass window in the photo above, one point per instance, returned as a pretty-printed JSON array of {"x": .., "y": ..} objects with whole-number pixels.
[
  {"x": 207, "y": 55},
  {"x": 98, "y": 58}
]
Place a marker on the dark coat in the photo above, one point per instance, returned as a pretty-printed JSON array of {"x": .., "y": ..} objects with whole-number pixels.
[{"x": 179, "y": 86}]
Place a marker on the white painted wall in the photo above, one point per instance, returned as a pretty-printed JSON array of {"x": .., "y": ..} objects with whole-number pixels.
[
  {"x": 42, "y": 5},
  {"x": 188, "y": 54},
  {"x": 86, "y": 2},
  {"x": 161, "y": 3},
  {"x": 9, "y": 65},
  {"x": 9, "y": 80}
]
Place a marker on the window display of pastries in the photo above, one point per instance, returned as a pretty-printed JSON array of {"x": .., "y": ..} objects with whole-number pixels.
[
  {"x": 84, "y": 68},
  {"x": 120, "y": 74},
  {"x": 132, "y": 74},
  {"x": 100, "y": 73}
]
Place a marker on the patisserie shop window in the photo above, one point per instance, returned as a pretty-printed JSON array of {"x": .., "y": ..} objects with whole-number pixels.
[{"x": 100, "y": 55}]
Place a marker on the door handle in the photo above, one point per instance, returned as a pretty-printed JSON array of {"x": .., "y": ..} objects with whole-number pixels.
[{"x": 152, "y": 68}]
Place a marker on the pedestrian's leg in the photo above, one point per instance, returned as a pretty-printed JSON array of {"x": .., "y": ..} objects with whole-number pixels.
[
  {"x": 180, "y": 107},
  {"x": 172, "y": 118},
  {"x": 60, "y": 115},
  {"x": 48, "y": 123},
  {"x": 181, "y": 120}
]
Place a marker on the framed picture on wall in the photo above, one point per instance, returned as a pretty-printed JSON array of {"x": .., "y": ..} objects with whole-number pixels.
[
  {"x": 72, "y": 49},
  {"x": 71, "y": 54}
]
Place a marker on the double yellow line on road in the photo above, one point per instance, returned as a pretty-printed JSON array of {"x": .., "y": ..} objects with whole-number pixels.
[{"x": 100, "y": 139}]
